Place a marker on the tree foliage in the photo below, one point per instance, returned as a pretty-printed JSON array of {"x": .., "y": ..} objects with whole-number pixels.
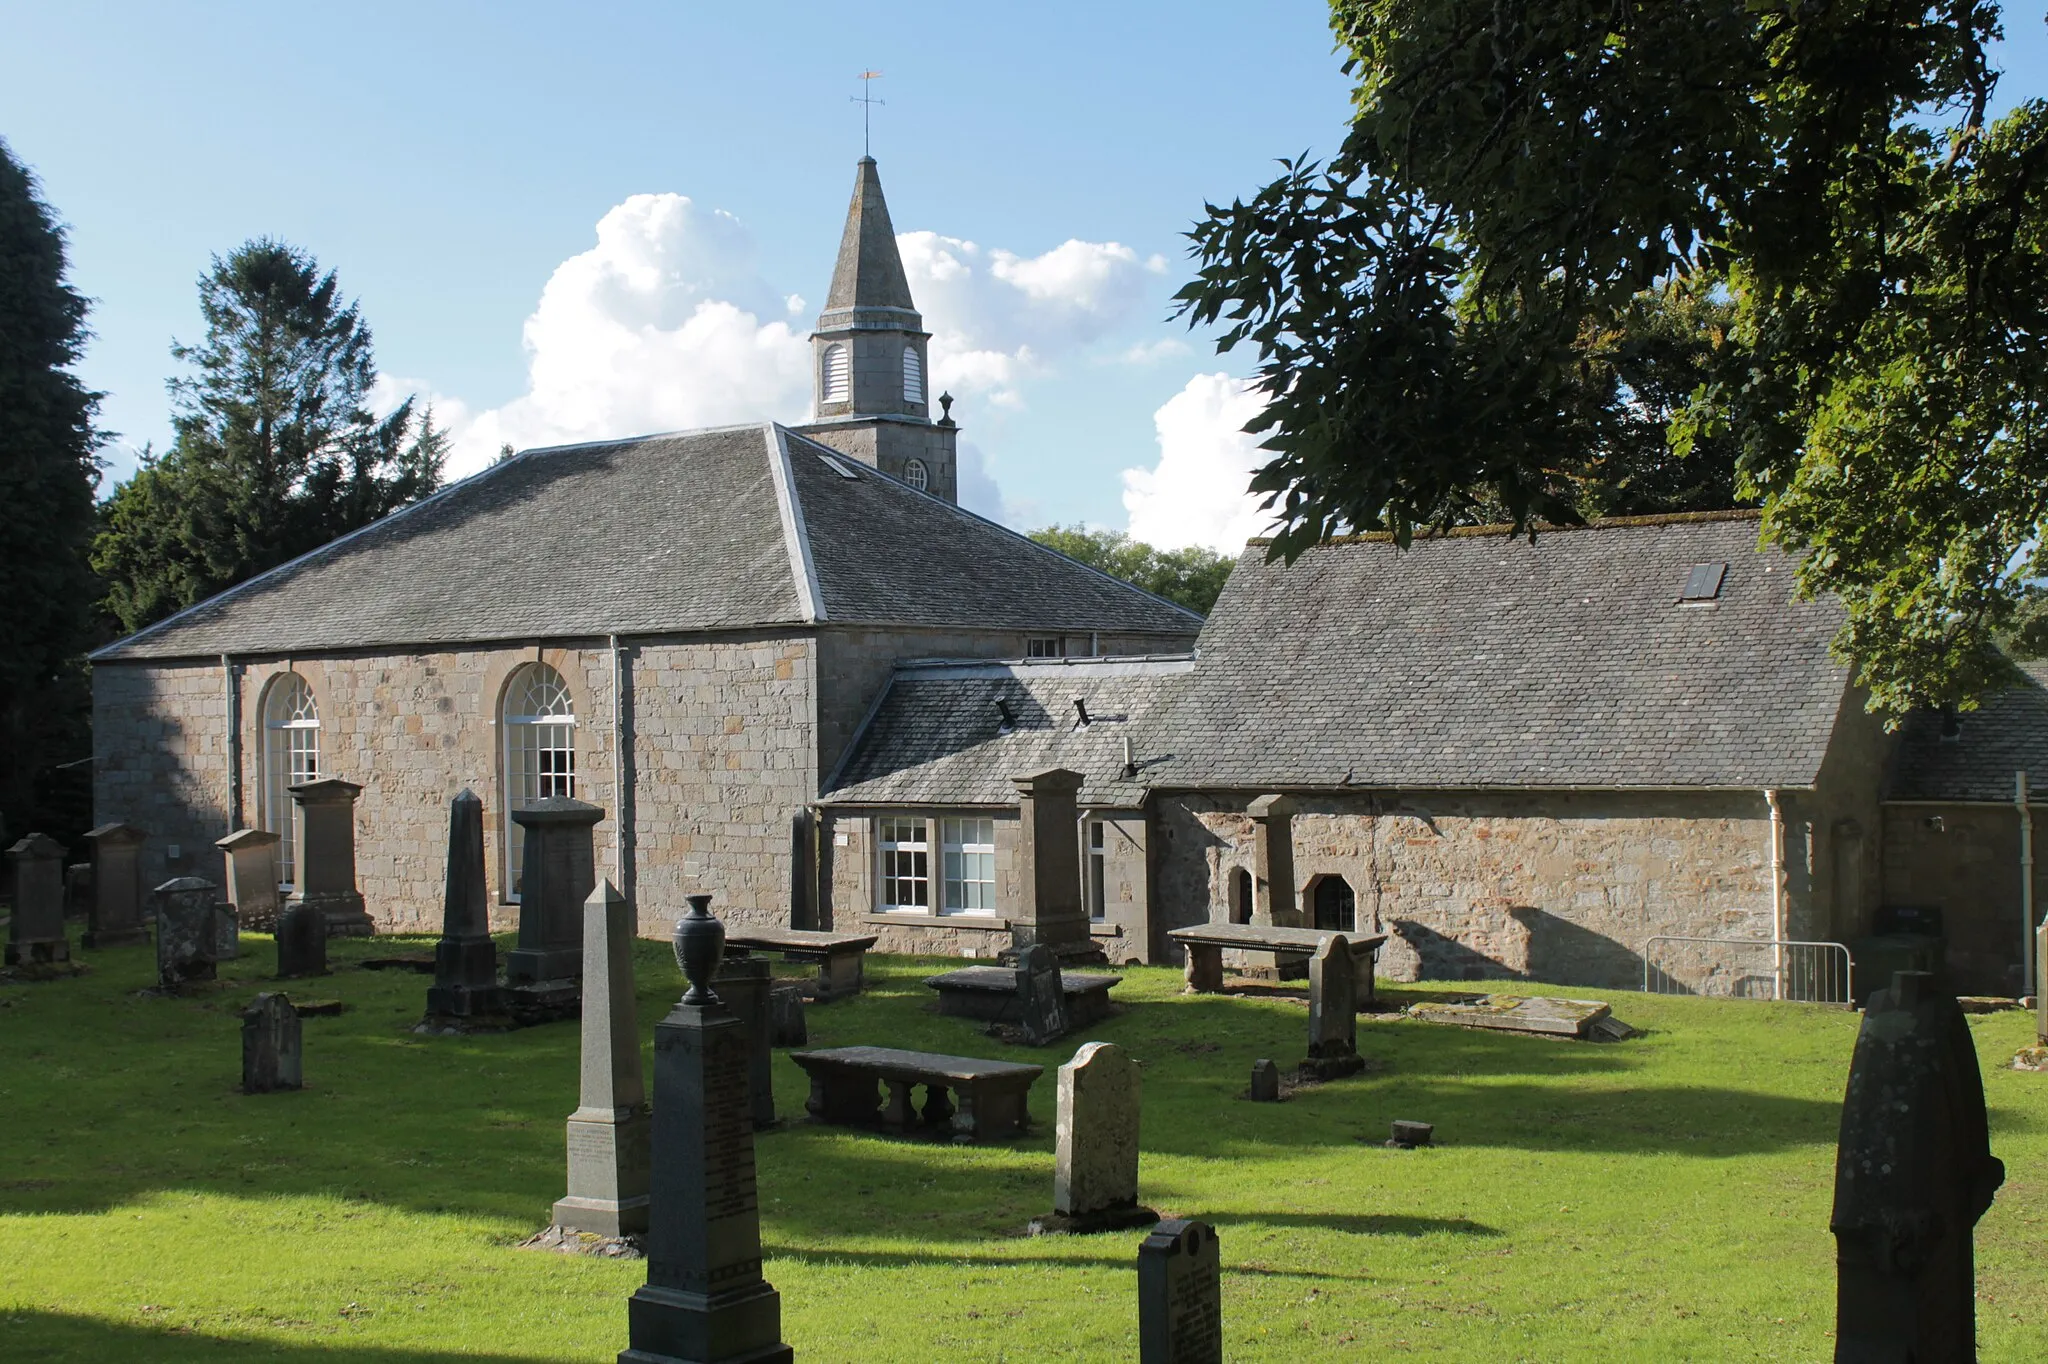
[
  {"x": 1191, "y": 577},
  {"x": 277, "y": 451},
  {"x": 1577, "y": 251},
  {"x": 48, "y": 471}
]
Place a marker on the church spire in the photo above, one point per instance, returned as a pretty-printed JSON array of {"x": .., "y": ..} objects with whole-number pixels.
[{"x": 869, "y": 275}]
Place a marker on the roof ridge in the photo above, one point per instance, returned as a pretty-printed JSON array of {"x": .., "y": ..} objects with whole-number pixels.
[{"x": 1381, "y": 537}]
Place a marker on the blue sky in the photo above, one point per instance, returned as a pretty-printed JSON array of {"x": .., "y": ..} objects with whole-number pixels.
[{"x": 454, "y": 161}]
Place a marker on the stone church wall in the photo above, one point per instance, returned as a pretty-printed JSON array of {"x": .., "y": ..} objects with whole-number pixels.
[
  {"x": 160, "y": 762},
  {"x": 1965, "y": 861},
  {"x": 1562, "y": 887}
]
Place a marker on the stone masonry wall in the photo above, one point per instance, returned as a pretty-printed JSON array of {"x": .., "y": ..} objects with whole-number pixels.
[
  {"x": 1562, "y": 887},
  {"x": 1965, "y": 861},
  {"x": 848, "y": 872},
  {"x": 160, "y": 763}
]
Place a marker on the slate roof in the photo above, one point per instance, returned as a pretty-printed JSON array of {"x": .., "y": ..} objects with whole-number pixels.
[
  {"x": 700, "y": 530},
  {"x": 936, "y": 736},
  {"x": 1481, "y": 660},
  {"x": 2007, "y": 733},
  {"x": 869, "y": 271}
]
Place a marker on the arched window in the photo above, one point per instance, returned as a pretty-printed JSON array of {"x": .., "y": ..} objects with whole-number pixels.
[
  {"x": 913, "y": 376},
  {"x": 291, "y": 756},
  {"x": 837, "y": 373},
  {"x": 916, "y": 475},
  {"x": 1240, "y": 896},
  {"x": 539, "y": 723},
  {"x": 1336, "y": 906}
]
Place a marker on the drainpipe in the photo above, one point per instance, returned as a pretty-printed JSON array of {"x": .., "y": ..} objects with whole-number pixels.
[
  {"x": 2027, "y": 947},
  {"x": 621, "y": 798},
  {"x": 1778, "y": 925},
  {"x": 1081, "y": 845},
  {"x": 234, "y": 744}
]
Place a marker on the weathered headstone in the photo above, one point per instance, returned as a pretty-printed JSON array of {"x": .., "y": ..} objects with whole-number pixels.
[
  {"x": 271, "y": 1056},
  {"x": 35, "y": 935},
  {"x": 786, "y": 1016},
  {"x": 2041, "y": 985},
  {"x": 465, "y": 959},
  {"x": 1409, "y": 1135},
  {"x": 1095, "y": 1166},
  {"x": 704, "y": 1301},
  {"x": 608, "y": 1133},
  {"x": 1332, "y": 1012},
  {"x": 744, "y": 984},
  {"x": 557, "y": 874},
  {"x": 227, "y": 932},
  {"x": 326, "y": 856},
  {"x": 1913, "y": 1173},
  {"x": 77, "y": 890},
  {"x": 1180, "y": 1295},
  {"x": 115, "y": 916},
  {"x": 301, "y": 942},
  {"x": 1265, "y": 1081},
  {"x": 186, "y": 934},
  {"x": 252, "y": 877},
  {"x": 1041, "y": 1001}
]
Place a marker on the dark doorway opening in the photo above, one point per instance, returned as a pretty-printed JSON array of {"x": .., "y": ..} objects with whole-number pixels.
[
  {"x": 1336, "y": 906},
  {"x": 1240, "y": 896}
]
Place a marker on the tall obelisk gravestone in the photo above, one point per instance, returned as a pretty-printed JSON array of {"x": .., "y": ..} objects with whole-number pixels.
[
  {"x": 705, "y": 1301},
  {"x": 465, "y": 984},
  {"x": 608, "y": 1136}
]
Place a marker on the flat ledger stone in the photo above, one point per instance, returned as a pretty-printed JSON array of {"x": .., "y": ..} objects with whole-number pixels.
[{"x": 1539, "y": 1015}]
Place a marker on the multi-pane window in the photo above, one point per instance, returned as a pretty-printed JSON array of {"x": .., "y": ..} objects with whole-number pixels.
[
  {"x": 970, "y": 860},
  {"x": 838, "y": 374},
  {"x": 1049, "y": 646},
  {"x": 540, "y": 752},
  {"x": 906, "y": 863},
  {"x": 1096, "y": 870},
  {"x": 916, "y": 475},
  {"x": 913, "y": 376},
  {"x": 291, "y": 756}
]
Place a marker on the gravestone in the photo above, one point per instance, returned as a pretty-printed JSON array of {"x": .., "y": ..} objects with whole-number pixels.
[
  {"x": 1095, "y": 1167},
  {"x": 557, "y": 874},
  {"x": 35, "y": 935},
  {"x": 1408, "y": 1134},
  {"x": 704, "y": 1301},
  {"x": 271, "y": 1057},
  {"x": 186, "y": 934},
  {"x": 2041, "y": 985},
  {"x": 465, "y": 959},
  {"x": 1265, "y": 1082},
  {"x": 227, "y": 932},
  {"x": 301, "y": 942},
  {"x": 608, "y": 1133},
  {"x": 1041, "y": 1000},
  {"x": 1180, "y": 1295},
  {"x": 786, "y": 1016},
  {"x": 77, "y": 890},
  {"x": 744, "y": 984},
  {"x": 1332, "y": 1012},
  {"x": 325, "y": 818},
  {"x": 1913, "y": 1173},
  {"x": 252, "y": 877},
  {"x": 114, "y": 913}
]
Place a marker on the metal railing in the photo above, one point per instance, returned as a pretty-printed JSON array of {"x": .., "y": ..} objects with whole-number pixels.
[{"x": 1749, "y": 968}]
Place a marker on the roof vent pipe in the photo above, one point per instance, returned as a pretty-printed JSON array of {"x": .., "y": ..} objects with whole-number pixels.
[
  {"x": 1006, "y": 718},
  {"x": 1130, "y": 763},
  {"x": 1081, "y": 711}
]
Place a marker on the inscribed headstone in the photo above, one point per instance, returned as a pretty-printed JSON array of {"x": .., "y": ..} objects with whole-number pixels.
[
  {"x": 301, "y": 942},
  {"x": 326, "y": 855},
  {"x": 1332, "y": 1011},
  {"x": 115, "y": 912},
  {"x": 271, "y": 1054},
  {"x": 252, "y": 877},
  {"x": 1041, "y": 999},
  {"x": 36, "y": 932},
  {"x": 1180, "y": 1295},
  {"x": 1095, "y": 1166},
  {"x": 608, "y": 1133},
  {"x": 186, "y": 932},
  {"x": 465, "y": 959},
  {"x": 1913, "y": 1173}
]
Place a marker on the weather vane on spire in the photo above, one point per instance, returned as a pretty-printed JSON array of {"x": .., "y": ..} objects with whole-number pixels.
[{"x": 866, "y": 101}]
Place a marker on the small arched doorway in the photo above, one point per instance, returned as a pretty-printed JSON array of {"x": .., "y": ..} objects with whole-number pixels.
[
  {"x": 1336, "y": 907},
  {"x": 1240, "y": 896}
]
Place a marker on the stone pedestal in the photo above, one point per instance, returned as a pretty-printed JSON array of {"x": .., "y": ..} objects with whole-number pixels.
[
  {"x": 1095, "y": 1166},
  {"x": 705, "y": 1301},
  {"x": 252, "y": 877},
  {"x": 1273, "y": 862},
  {"x": 465, "y": 984},
  {"x": 744, "y": 984},
  {"x": 1332, "y": 1012},
  {"x": 557, "y": 874},
  {"x": 301, "y": 942},
  {"x": 1180, "y": 1295},
  {"x": 35, "y": 935},
  {"x": 115, "y": 913},
  {"x": 326, "y": 824},
  {"x": 1049, "y": 867},
  {"x": 1913, "y": 1173},
  {"x": 608, "y": 1133},
  {"x": 187, "y": 933},
  {"x": 271, "y": 1055}
]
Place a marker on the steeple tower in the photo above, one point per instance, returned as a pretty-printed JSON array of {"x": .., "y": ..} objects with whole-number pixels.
[{"x": 870, "y": 394}]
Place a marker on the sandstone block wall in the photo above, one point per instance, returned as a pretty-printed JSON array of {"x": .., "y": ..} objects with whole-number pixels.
[
  {"x": 160, "y": 762},
  {"x": 1965, "y": 861},
  {"x": 848, "y": 871}
]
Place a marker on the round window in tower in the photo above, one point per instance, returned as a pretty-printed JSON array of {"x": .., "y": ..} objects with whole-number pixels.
[{"x": 916, "y": 475}]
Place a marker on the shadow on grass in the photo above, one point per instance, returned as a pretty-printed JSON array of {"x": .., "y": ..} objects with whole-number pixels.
[
  {"x": 1125, "y": 1258},
  {"x": 53, "y": 1336}
]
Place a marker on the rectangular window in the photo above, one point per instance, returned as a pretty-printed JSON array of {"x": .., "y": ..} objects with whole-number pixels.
[
  {"x": 970, "y": 852},
  {"x": 1049, "y": 646},
  {"x": 906, "y": 864},
  {"x": 1098, "y": 866}
]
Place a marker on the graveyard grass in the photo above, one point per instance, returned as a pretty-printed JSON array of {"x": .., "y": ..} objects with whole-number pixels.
[{"x": 1659, "y": 1199}]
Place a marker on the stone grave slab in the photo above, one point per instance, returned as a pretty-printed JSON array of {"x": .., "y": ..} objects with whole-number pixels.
[
  {"x": 187, "y": 931},
  {"x": 1041, "y": 995},
  {"x": 301, "y": 942},
  {"x": 1332, "y": 1012},
  {"x": 989, "y": 993},
  {"x": 1537, "y": 1014},
  {"x": 1095, "y": 1165},
  {"x": 1180, "y": 1295},
  {"x": 252, "y": 877},
  {"x": 36, "y": 934},
  {"x": 116, "y": 913},
  {"x": 272, "y": 1058}
]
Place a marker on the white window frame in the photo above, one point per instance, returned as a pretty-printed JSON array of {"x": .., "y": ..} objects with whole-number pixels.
[
  {"x": 835, "y": 376},
  {"x": 967, "y": 845},
  {"x": 1095, "y": 870},
  {"x": 917, "y": 475},
  {"x": 913, "y": 375},
  {"x": 903, "y": 864},
  {"x": 537, "y": 718},
  {"x": 291, "y": 757}
]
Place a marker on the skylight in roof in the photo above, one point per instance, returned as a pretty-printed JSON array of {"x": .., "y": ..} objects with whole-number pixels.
[
  {"x": 839, "y": 466},
  {"x": 1704, "y": 582}
]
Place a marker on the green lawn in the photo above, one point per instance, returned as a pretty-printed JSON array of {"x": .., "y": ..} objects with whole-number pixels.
[{"x": 1659, "y": 1199}]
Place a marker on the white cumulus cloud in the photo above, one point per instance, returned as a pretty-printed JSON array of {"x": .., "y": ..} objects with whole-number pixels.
[{"x": 1195, "y": 494}]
